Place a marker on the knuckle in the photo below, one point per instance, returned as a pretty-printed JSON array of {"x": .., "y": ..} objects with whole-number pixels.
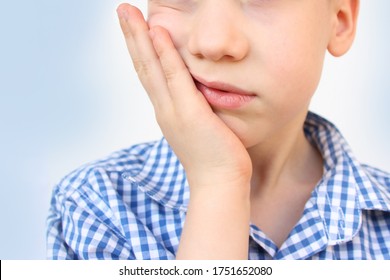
[
  {"x": 171, "y": 76},
  {"x": 142, "y": 67},
  {"x": 172, "y": 73}
]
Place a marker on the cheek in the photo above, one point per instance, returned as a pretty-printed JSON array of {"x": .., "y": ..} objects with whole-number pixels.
[
  {"x": 296, "y": 62},
  {"x": 293, "y": 48},
  {"x": 172, "y": 23}
]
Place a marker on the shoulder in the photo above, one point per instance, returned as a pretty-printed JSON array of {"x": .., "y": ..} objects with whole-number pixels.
[
  {"x": 381, "y": 182},
  {"x": 100, "y": 210},
  {"x": 89, "y": 204},
  {"x": 374, "y": 188},
  {"x": 382, "y": 177},
  {"x": 103, "y": 172},
  {"x": 343, "y": 169}
]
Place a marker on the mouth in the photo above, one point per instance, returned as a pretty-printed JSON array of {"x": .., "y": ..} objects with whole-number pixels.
[{"x": 222, "y": 95}]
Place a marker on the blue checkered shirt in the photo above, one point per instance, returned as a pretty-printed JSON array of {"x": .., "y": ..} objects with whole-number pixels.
[{"x": 132, "y": 205}]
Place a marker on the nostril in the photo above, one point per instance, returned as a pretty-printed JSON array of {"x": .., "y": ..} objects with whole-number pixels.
[{"x": 218, "y": 35}]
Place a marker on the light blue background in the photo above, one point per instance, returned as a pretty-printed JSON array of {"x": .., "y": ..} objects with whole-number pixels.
[{"x": 69, "y": 95}]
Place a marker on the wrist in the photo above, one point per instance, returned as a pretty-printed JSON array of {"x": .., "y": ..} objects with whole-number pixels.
[
  {"x": 225, "y": 196},
  {"x": 212, "y": 181},
  {"x": 217, "y": 224}
]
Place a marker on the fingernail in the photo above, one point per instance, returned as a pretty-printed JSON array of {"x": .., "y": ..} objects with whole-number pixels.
[{"x": 122, "y": 13}]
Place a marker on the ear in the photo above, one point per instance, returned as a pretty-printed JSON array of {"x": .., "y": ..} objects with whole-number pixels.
[{"x": 344, "y": 29}]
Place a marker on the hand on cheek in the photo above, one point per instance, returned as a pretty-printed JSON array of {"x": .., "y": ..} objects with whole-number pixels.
[
  {"x": 209, "y": 151},
  {"x": 217, "y": 165}
]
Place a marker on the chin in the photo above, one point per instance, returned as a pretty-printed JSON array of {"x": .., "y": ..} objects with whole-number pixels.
[{"x": 248, "y": 135}]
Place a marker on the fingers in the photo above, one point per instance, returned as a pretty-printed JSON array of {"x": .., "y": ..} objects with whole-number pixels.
[
  {"x": 144, "y": 57},
  {"x": 159, "y": 66},
  {"x": 179, "y": 81}
]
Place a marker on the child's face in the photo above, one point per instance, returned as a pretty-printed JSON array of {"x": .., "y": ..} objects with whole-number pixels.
[{"x": 273, "y": 48}]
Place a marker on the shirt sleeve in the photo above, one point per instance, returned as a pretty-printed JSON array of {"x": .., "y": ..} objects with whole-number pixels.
[
  {"x": 57, "y": 248},
  {"x": 78, "y": 227}
]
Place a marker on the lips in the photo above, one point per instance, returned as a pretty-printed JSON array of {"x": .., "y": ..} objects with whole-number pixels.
[{"x": 222, "y": 95}]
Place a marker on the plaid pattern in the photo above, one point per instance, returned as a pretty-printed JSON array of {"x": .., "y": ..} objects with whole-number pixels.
[{"x": 132, "y": 205}]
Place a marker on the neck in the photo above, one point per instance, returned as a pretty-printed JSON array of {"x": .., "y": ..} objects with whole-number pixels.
[
  {"x": 286, "y": 159},
  {"x": 286, "y": 169}
]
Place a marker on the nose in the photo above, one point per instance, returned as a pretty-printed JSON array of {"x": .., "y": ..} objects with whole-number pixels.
[{"x": 216, "y": 33}]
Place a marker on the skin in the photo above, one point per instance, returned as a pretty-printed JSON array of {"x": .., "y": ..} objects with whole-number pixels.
[{"x": 251, "y": 164}]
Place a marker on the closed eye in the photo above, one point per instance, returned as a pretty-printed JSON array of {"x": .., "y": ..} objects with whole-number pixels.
[{"x": 180, "y": 5}]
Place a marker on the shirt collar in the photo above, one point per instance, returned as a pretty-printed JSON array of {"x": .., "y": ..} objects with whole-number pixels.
[
  {"x": 342, "y": 171},
  {"x": 346, "y": 188}
]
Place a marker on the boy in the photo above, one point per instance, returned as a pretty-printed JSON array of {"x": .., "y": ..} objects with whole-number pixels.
[{"x": 244, "y": 170}]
